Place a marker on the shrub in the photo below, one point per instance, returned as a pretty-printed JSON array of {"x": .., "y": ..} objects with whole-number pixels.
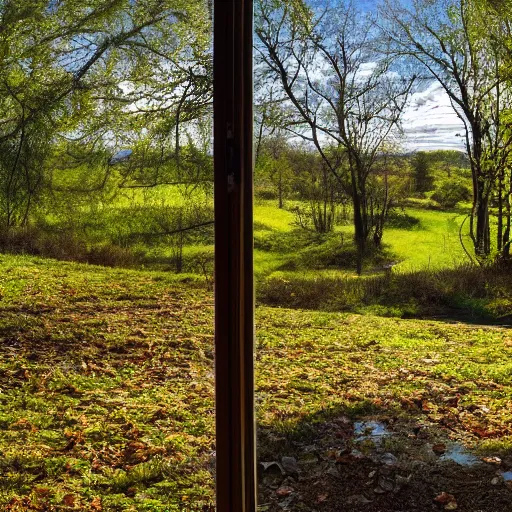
[
  {"x": 109, "y": 255},
  {"x": 265, "y": 193},
  {"x": 401, "y": 220},
  {"x": 450, "y": 192},
  {"x": 479, "y": 292}
]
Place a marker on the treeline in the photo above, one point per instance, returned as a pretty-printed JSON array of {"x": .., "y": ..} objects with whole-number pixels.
[{"x": 298, "y": 179}]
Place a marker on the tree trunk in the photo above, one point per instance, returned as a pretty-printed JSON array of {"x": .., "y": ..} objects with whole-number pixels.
[
  {"x": 506, "y": 234},
  {"x": 482, "y": 238},
  {"x": 500, "y": 212},
  {"x": 359, "y": 232}
]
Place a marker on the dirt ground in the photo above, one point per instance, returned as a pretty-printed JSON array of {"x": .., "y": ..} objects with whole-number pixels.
[{"x": 380, "y": 466}]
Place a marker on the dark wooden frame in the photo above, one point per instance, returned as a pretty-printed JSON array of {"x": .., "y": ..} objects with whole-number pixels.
[{"x": 234, "y": 290}]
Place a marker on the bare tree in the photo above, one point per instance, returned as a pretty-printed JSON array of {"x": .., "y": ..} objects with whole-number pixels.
[
  {"x": 451, "y": 40},
  {"x": 342, "y": 90}
]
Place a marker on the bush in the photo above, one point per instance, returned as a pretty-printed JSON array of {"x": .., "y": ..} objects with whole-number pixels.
[
  {"x": 265, "y": 193},
  {"x": 109, "y": 255},
  {"x": 450, "y": 192},
  {"x": 474, "y": 291},
  {"x": 66, "y": 245},
  {"x": 401, "y": 220}
]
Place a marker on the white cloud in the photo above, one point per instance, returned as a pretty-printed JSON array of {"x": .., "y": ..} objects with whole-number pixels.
[{"x": 429, "y": 121}]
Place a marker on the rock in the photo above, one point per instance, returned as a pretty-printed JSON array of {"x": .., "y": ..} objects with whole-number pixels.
[
  {"x": 289, "y": 465},
  {"x": 389, "y": 459},
  {"x": 496, "y": 480}
]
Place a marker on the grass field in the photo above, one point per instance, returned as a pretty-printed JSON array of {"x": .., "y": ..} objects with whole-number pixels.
[
  {"x": 434, "y": 243},
  {"x": 106, "y": 381}
]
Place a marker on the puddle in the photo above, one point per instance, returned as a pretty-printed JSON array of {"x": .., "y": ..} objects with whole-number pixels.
[
  {"x": 507, "y": 476},
  {"x": 458, "y": 454},
  {"x": 370, "y": 430}
]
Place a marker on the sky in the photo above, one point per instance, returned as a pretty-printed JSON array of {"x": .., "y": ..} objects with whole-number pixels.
[{"x": 429, "y": 122}]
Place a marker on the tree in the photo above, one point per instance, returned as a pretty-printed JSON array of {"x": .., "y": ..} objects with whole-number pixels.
[
  {"x": 423, "y": 181},
  {"x": 452, "y": 40},
  {"x": 273, "y": 163},
  {"x": 341, "y": 90},
  {"x": 320, "y": 190},
  {"x": 96, "y": 75}
]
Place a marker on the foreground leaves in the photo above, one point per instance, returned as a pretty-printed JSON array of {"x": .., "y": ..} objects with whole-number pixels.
[{"x": 107, "y": 403}]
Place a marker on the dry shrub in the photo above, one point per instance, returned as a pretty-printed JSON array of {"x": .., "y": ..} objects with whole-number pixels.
[
  {"x": 481, "y": 291},
  {"x": 64, "y": 245},
  {"x": 109, "y": 255}
]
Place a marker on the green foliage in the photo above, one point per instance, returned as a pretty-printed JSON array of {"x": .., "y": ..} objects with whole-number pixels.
[
  {"x": 450, "y": 192},
  {"x": 73, "y": 79},
  {"x": 463, "y": 291},
  {"x": 423, "y": 179},
  {"x": 402, "y": 220}
]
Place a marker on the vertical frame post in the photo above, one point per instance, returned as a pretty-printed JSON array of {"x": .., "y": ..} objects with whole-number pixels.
[{"x": 234, "y": 289}]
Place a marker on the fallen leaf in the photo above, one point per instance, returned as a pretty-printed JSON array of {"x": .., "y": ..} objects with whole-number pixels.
[
  {"x": 444, "y": 498},
  {"x": 492, "y": 460},
  {"x": 284, "y": 490},
  {"x": 439, "y": 448},
  {"x": 321, "y": 498},
  {"x": 358, "y": 499},
  {"x": 96, "y": 504},
  {"x": 289, "y": 464},
  {"x": 69, "y": 500},
  {"x": 388, "y": 459}
]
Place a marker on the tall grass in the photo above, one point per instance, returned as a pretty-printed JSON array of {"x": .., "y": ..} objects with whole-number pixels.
[{"x": 478, "y": 292}]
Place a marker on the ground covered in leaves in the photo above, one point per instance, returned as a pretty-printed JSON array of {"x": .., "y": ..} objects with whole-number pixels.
[{"x": 106, "y": 401}]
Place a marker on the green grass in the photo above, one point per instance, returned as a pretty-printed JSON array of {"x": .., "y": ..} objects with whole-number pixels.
[
  {"x": 433, "y": 244},
  {"x": 106, "y": 381}
]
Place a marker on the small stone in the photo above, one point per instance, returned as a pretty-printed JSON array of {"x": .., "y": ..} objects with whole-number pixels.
[
  {"x": 389, "y": 459},
  {"x": 451, "y": 506},
  {"x": 372, "y": 474},
  {"x": 289, "y": 465},
  {"x": 496, "y": 480}
]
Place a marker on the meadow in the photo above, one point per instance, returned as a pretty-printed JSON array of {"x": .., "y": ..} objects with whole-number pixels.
[
  {"x": 107, "y": 372},
  {"x": 106, "y": 384}
]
